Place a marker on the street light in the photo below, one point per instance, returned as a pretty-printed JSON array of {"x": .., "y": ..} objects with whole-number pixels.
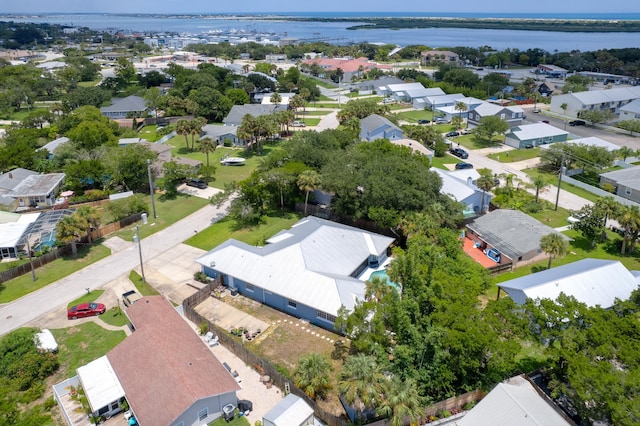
[
  {"x": 151, "y": 189},
  {"x": 136, "y": 238}
]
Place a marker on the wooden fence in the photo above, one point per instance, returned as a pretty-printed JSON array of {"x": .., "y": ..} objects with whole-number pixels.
[
  {"x": 264, "y": 367},
  {"x": 59, "y": 252}
]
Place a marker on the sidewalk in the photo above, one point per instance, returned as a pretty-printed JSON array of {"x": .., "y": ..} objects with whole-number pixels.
[{"x": 158, "y": 250}]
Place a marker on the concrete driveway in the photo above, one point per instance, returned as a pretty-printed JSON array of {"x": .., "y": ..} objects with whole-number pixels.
[{"x": 207, "y": 192}]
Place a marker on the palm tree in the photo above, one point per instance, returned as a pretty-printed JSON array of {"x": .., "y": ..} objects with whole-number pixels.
[
  {"x": 401, "y": 401},
  {"x": 312, "y": 375},
  {"x": 183, "y": 128},
  {"x": 629, "y": 219},
  {"x": 275, "y": 98},
  {"x": 307, "y": 182},
  {"x": 625, "y": 152},
  {"x": 539, "y": 183},
  {"x": 91, "y": 216},
  {"x": 70, "y": 229},
  {"x": 195, "y": 129},
  {"x": 207, "y": 145},
  {"x": 461, "y": 107},
  {"x": 554, "y": 245},
  {"x": 509, "y": 179},
  {"x": 376, "y": 289},
  {"x": 245, "y": 68},
  {"x": 361, "y": 382},
  {"x": 486, "y": 181}
]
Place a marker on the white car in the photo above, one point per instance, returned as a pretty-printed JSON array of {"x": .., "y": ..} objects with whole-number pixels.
[{"x": 575, "y": 217}]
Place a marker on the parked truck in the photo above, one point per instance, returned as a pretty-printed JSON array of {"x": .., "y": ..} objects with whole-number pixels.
[{"x": 130, "y": 297}]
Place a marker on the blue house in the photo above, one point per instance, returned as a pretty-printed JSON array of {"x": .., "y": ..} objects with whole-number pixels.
[
  {"x": 376, "y": 127},
  {"x": 308, "y": 271}
]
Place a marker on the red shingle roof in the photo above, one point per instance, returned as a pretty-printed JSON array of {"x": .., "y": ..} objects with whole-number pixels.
[{"x": 164, "y": 367}]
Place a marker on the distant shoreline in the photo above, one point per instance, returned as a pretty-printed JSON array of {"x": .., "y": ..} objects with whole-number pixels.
[{"x": 518, "y": 24}]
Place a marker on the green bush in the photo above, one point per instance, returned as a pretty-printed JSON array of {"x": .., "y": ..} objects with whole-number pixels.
[{"x": 126, "y": 207}]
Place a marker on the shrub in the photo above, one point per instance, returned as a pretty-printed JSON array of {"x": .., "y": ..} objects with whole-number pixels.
[
  {"x": 203, "y": 328},
  {"x": 49, "y": 403},
  {"x": 126, "y": 207},
  {"x": 201, "y": 277}
]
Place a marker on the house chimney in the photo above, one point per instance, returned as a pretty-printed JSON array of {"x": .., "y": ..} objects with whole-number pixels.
[
  {"x": 10, "y": 175},
  {"x": 469, "y": 181}
]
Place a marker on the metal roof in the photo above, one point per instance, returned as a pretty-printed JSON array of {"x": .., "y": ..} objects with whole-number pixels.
[
  {"x": 533, "y": 131},
  {"x": 312, "y": 263},
  {"x": 12, "y": 233},
  {"x": 594, "y": 282},
  {"x": 514, "y": 402},
  {"x": 374, "y": 121},
  {"x": 37, "y": 185},
  {"x": 291, "y": 411},
  {"x": 100, "y": 383},
  {"x": 594, "y": 97},
  {"x": 591, "y": 141},
  {"x": 234, "y": 118},
  {"x": 512, "y": 232},
  {"x": 627, "y": 177},
  {"x": 131, "y": 103},
  {"x": 633, "y": 107},
  {"x": 456, "y": 188}
]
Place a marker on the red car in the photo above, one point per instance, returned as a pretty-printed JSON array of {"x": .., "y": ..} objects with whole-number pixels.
[{"x": 86, "y": 310}]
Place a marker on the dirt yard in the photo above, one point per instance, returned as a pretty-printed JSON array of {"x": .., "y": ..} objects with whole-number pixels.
[{"x": 287, "y": 339}]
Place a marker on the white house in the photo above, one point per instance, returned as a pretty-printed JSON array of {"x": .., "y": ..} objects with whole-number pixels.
[
  {"x": 594, "y": 100},
  {"x": 377, "y": 127},
  {"x": 594, "y": 282},
  {"x": 460, "y": 186},
  {"x": 630, "y": 111},
  {"x": 291, "y": 411}
]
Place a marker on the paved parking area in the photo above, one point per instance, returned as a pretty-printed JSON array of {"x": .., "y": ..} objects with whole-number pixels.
[
  {"x": 208, "y": 192},
  {"x": 227, "y": 317}
]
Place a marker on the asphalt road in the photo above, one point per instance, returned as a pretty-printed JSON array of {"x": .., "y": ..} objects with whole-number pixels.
[{"x": 26, "y": 309}]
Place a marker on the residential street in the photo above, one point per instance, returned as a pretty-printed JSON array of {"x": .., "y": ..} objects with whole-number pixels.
[{"x": 60, "y": 293}]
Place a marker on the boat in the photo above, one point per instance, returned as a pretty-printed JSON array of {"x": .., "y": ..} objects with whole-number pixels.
[{"x": 232, "y": 161}]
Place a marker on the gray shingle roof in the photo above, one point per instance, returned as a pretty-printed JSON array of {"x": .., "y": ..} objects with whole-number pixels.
[
  {"x": 375, "y": 121},
  {"x": 37, "y": 185},
  {"x": 122, "y": 105},
  {"x": 234, "y": 118},
  {"x": 512, "y": 232}
]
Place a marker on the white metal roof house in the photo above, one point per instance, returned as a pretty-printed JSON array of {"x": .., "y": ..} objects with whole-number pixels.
[
  {"x": 125, "y": 107},
  {"x": 291, "y": 411},
  {"x": 594, "y": 282},
  {"x": 515, "y": 234},
  {"x": 166, "y": 373},
  {"x": 308, "y": 271},
  {"x": 51, "y": 146},
  {"x": 514, "y": 402},
  {"x": 408, "y": 92},
  {"x": 601, "y": 100},
  {"x": 377, "y": 127},
  {"x": 461, "y": 188},
  {"x": 533, "y": 135},
  {"x": 513, "y": 115}
]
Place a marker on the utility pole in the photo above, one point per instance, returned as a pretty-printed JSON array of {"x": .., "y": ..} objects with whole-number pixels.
[
  {"x": 137, "y": 239},
  {"x": 33, "y": 271},
  {"x": 559, "y": 181},
  {"x": 151, "y": 189}
]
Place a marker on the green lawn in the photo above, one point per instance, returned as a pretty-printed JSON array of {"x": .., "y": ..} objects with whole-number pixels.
[
  {"x": 440, "y": 162},
  {"x": 313, "y": 112},
  {"x": 143, "y": 288},
  {"x": 227, "y": 228},
  {"x": 515, "y": 155},
  {"x": 86, "y": 298},
  {"x": 310, "y": 121},
  {"x": 414, "y": 116},
  {"x": 324, "y": 84},
  {"x": 579, "y": 249},
  {"x": 169, "y": 210},
  {"x": 237, "y": 421},
  {"x": 53, "y": 271},
  {"x": 149, "y": 133},
  {"x": 115, "y": 316},
  {"x": 472, "y": 142},
  {"x": 89, "y": 83},
  {"x": 80, "y": 344},
  {"x": 553, "y": 179},
  {"x": 224, "y": 175},
  {"x": 326, "y": 103},
  {"x": 22, "y": 114},
  {"x": 552, "y": 218}
]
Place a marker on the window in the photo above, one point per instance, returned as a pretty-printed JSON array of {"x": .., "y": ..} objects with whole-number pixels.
[
  {"x": 250, "y": 287},
  {"x": 292, "y": 304},
  {"x": 326, "y": 317},
  {"x": 627, "y": 191},
  {"x": 203, "y": 414}
]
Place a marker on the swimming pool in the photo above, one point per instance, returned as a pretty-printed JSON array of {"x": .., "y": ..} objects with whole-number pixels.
[{"x": 382, "y": 274}]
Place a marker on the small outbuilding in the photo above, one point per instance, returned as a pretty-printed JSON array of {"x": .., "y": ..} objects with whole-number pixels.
[{"x": 291, "y": 411}]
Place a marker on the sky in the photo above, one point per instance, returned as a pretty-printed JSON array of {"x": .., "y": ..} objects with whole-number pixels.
[{"x": 248, "y": 6}]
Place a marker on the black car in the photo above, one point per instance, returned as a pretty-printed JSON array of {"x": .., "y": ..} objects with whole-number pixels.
[
  {"x": 423, "y": 121},
  {"x": 463, "y": 165},
  {"x": 197, "y": 183},
  {"x": 577, "y": 123},
  {"x": 452, "y": 134},
  {"x": 459, "y": 152}
]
